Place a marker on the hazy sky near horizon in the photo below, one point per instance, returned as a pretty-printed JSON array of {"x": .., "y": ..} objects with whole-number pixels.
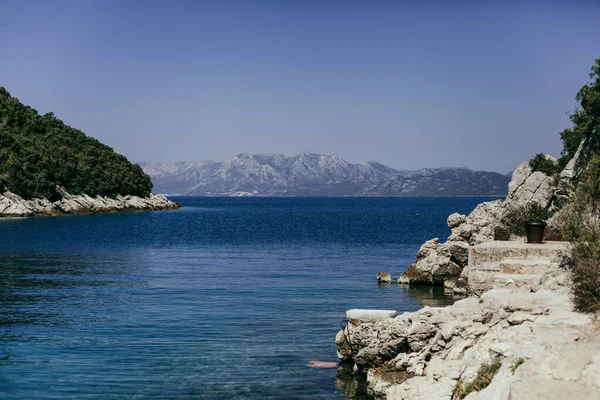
[{"x": 477, "y": 84}]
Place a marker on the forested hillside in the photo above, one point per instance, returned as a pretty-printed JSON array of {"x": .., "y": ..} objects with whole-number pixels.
[{"x": 38, "y": 152}]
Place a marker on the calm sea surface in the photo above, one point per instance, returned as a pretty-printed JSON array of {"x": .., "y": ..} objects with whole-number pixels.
[{"x": 225, "y": 298}]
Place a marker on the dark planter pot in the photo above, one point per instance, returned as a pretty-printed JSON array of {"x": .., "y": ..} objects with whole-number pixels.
[{"x": 535, "y": 230}]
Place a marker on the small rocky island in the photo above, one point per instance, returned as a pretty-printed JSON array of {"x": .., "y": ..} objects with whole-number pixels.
[
  {"x": 528, "y": 328},
  {"x": 49, "y": 168}
]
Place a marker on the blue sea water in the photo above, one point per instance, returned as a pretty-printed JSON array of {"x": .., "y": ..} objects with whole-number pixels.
[{"x": 224, "y": 298}]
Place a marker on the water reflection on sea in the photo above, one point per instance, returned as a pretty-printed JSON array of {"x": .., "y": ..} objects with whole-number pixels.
[{"x": 230, "y": 304}]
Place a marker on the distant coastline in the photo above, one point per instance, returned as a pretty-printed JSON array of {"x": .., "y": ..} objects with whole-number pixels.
[
  {"x": 487, "y": 196},
  {"x": 309, "y": 174}
]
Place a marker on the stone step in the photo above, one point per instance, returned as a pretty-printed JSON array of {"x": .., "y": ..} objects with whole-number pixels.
[
  {"x": 524, "y": 266},
  {"x": 365, "y": 315},
  {"x": 517, "y": 281},
  {"x": 485, "y": 258}
]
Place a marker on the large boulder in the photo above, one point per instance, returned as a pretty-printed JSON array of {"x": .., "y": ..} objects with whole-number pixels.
[
  {"x": 437, "y": 262},
  {"x": 455, "y": 220},
  {"x": 384, "y": 277},
  {"x": 477, "y": 227},
  {"x": 527, "y": 186},
  {"x": 12, "y": 205}
]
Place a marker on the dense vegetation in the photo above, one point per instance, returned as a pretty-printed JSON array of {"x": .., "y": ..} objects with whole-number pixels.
[
  {"x": 586, "y": 122},
  {"x": 513, "y": 221},
  {"x": 540, "y": 162},
  {"x": 585, "y": 118},
  {"x": 579, "y": 219},
  {"x": 38, "y": 152},
  {"x": 580, "y": 225}
]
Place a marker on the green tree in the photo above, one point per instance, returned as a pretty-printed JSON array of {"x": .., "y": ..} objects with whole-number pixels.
[
  {"x": 544, "y": 164},
  {"x": 585, "y": 118},
  {"x": 38, "y": 152}
]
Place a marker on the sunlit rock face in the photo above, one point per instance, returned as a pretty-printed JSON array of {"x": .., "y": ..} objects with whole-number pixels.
[
  {"x": 534, "y": 335},
  {"x": 444, "y": 263},
  {"x": 12, "y": 205}
]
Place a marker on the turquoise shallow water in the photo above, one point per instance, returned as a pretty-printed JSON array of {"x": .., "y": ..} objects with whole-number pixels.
[{"x": 225, "y": 298}]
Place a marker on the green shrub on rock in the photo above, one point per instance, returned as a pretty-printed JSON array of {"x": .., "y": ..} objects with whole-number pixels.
[
  {"x": 579, "y": 221},
  {"x": 585, "y": 118},
  {"x": 542, "y": 163},
  {"x": 513, "y": 221},
  {"x": 484, "y": 377},
  {"x": 516, "y": 364},
  {"x": 579, "y": 218}
]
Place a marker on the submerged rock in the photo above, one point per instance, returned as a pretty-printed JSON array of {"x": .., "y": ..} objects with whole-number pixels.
[
  {"x": 384, "y": 277},
  {"x": 12, "y": 205}
]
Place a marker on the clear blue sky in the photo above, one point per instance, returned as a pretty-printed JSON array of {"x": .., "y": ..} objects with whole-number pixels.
[{"x": 412, "y": 84}]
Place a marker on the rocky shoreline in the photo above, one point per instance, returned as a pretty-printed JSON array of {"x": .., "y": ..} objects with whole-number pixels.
[
  {"x": 12, "y": 205},
  {"x": 542, "y": 348},
  {"x": 446, "y": 263},
  {"x": 517, "y": 332}
]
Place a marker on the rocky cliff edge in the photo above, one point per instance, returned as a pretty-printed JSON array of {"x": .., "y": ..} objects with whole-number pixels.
[{"x": 447, "y": 263}]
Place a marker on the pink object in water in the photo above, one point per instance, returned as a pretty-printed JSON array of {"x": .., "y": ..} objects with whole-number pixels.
[{"x": 321, "y": 364}]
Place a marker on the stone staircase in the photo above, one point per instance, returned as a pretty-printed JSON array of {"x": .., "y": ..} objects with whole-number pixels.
[
  {"x": 510, "y": 265},
  {"x": 524, "y": 274},
  {"x": 526, "y": 267}
]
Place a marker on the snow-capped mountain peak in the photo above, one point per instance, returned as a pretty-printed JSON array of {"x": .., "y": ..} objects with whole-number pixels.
[{"x": 310, "y": 174}]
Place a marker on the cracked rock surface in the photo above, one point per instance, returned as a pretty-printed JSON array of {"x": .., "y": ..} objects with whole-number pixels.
[{"x": 436, "y": 347}]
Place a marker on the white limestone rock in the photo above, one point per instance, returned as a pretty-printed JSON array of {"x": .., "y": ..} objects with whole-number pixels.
[
  {"x": 12, "y": 205},
  {"x": 528, "y": 187},
  {"x": 435, "y": 263},
  {"x": 365, "y": 315},
  {"x": 456, "y": 219},
  {"x": 438, "y": 346},
  {"x": 478, "y": 227},
  {"x": 384, "y": 277}
]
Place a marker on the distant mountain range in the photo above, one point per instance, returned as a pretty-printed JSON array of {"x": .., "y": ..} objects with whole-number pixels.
[{"x": 309, "y": 174}]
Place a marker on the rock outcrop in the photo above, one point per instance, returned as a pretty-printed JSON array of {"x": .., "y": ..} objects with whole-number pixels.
[
  {"x": 12, "y": 205},
  {"x": 528, "y": 187},
  {"x": 384, "y": 277},
  {"x": 437, "y": 262},
  {"x": 443, "y": 263},
  {"x": 570, "y": 175},
  {"x": 546, "y": 350},
  {"x": 478, "y": 227}
]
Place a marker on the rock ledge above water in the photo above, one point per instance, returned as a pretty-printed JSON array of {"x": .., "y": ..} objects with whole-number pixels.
[{"x": 13, "y": 205}]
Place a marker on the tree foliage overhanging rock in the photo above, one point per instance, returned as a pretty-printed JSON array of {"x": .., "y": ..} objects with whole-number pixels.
[
  {"x": 40, "y": 152},
  {"x": 543, "y": 163}
]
